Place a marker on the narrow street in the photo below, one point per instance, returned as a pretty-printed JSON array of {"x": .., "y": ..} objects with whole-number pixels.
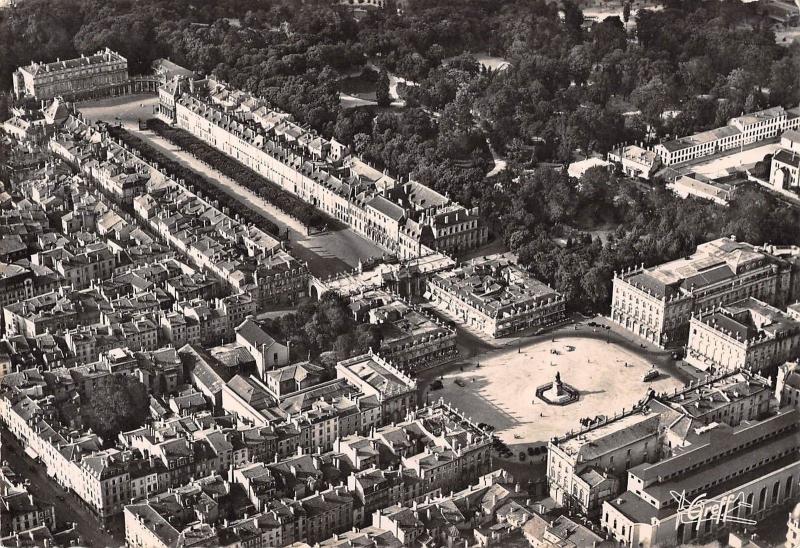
[{"x": 68, "y": 508}]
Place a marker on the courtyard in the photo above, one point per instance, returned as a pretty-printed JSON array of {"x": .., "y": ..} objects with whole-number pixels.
[
  {"x": 501, "y": 390},
  {"x": 724, "y": 164},
  {"x": 128, "y": 109}
]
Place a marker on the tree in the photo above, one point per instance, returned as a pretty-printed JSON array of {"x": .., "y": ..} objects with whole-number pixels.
[
  {"x": 652, "y": 98},
  {"x": 382, "y": 95},
  {"x": 117, "y": 404},
  {"x": 784, "y": 84},
  {"x": 763, "y": 167},
  {"x": 573, "y": 16}
]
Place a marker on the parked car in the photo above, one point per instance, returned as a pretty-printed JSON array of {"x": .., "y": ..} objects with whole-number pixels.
[
  {"x": 650, "y": 375},
  {"x": 437, "y": 385},
  {"x": 460, "y": 383}
]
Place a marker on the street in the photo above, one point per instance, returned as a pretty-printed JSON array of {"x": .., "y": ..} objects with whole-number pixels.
[{"x": 67, "y": 506}]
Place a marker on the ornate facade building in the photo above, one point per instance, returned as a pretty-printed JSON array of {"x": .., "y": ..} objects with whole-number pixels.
[
  {"x": 657, "y": 303},
  {"x": 74, "y": 78},
  {"x": 748, "y": 334},
  {"x": 495, "y": 296}
]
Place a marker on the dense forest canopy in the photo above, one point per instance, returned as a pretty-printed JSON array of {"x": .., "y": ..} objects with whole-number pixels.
[{"x": 569, "y": 89}]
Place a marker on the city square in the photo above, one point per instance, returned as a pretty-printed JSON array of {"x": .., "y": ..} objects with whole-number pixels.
[{"x": 499, "y": 387}]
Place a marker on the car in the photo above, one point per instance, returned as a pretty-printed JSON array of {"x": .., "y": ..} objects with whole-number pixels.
[
  {"x": 540, "y": 331},
  {"x": 531, "y": 451},
  {"x": 592, "y": 324},
  {"x": 650, "y": 375},
  {"x": 522, "y": 455},
  {"x": 460, "y": 383},
  {"x": 437, "y": 385}
]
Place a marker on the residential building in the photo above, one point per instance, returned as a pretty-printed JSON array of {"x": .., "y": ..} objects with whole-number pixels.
[
  {"x": 21, "y": 509},
  {"x": 728, "y": 397},
  {"x": 289, "y": 379},
  {"x": 787, "y": 385},
  {"x": 562, "y": 532},
  {"x": 790, "y": 140},
  {"x": 411, "y": 339},
  {"x": 18, "y": 282},
  {"x": 634, "y": 161},
  {"x": 793, "y": 527},
  {"x": 746, "y": 472},
  {"x": 699, "y": 186},
  {"x": 401, "y": 521},
  {"x": 740, "y": 131},
  {"x": 407, "y": 219},
  {"x": 785, "y": 170},
  {"x": 588, "y": 467},
  {"x": 269, "y": 353},
  {"x": 374, "y": 376}
]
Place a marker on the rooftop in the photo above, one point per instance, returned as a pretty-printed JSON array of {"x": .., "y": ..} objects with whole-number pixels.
[
  {"x": 712, "y": 263},
  {"x": 496, "y": 285},
  {"x": 377, "y": 373},
  {"x": 98, "y": 58}
]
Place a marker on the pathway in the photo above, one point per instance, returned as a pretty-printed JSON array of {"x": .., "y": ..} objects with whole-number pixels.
[
  {"x": 326, "y": 253},
  {"x": 500, "y": 163}
]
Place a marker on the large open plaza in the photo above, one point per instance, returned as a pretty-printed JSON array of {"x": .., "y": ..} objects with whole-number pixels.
[
  {"x": 499, "y": 388},
  {"x": 128, "y": 109}
]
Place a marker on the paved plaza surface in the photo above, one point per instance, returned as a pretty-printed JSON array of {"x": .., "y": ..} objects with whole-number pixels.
[
  {"x": 738, "y": 161},
  {"x": 501, "y": 392},
  {"x": 326, "y": 253}
]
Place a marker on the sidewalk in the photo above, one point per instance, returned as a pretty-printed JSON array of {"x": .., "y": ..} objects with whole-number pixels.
[
  {"x": 228, "y": 185},
  {"x": 326, "y": 253}
]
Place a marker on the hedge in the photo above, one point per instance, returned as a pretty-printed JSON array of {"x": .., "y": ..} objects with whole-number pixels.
[
  {"x": 258, "y": 184},
  {"x": 194, "y": 179}
]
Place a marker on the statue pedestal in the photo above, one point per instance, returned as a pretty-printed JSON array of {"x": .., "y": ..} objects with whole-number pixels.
[{"x": 557, "y": 393}]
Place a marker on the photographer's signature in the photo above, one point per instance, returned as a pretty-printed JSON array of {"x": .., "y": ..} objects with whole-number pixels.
[{"x": 724, "y": 509}]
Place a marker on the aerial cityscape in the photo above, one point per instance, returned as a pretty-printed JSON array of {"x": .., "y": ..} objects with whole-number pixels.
[{"x": 388, "y": 273}]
